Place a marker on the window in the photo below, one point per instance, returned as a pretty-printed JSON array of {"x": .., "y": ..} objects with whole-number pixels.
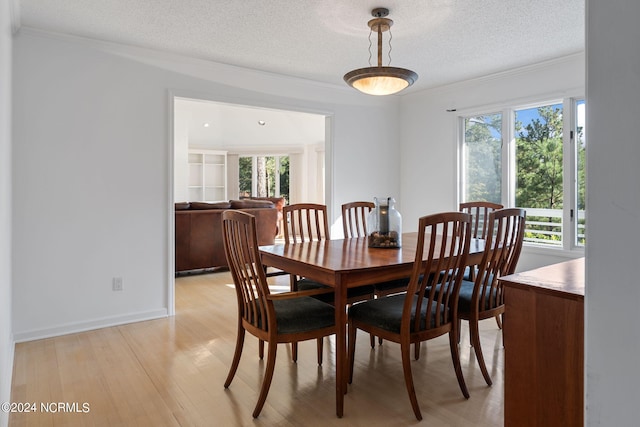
[
  {"x": 264, "y": 176},
  {"x": 483, "y": 161},
  {"x": 531, "y": 157}
]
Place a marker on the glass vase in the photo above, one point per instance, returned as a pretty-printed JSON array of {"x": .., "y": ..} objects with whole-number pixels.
[{"x": 384, "y": 224}]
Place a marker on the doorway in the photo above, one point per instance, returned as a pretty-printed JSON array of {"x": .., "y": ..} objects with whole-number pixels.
[{"x": 296, "y": 139}]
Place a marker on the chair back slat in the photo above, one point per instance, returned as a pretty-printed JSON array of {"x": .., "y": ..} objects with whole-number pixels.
[
  {"x": 354, "y": 218},
  {"x": 479, "y": 211},
  {"x": 243, "y": 257},
  {"x": 441, "y": 253},
  {"x": 305, "y": 222},
  {"x": 502, "y": 251}
]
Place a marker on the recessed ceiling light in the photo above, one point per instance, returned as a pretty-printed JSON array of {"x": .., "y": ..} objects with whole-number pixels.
[
  {"x": 262, "y": 122},
  {"x": 206, "y": 125}
]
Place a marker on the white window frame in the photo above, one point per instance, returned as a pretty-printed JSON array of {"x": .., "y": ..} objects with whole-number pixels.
[{"x": 508, "y": 154}]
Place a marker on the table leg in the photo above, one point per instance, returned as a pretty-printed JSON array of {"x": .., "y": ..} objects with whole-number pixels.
[{"x": 340, "y": 302}]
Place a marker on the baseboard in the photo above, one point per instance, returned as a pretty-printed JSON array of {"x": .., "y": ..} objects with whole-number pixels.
[
  {"x": 89, "y": 325},
  {"x": 5, "y": 387}
]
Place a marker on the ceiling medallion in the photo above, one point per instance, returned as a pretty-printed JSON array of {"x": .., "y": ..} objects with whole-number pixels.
[{"x": 380, "y": 80}]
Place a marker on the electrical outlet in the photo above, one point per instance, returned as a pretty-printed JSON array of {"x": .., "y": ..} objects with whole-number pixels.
[{"x": 116, "y": 284}]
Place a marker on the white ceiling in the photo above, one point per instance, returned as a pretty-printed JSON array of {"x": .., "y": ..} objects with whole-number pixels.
[
  {"x": 237, "y": 127},
  {"x": 444, "y": 41}
]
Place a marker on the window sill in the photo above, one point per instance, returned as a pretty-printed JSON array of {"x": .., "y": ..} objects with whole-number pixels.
[{"x": 553, "y": 251}]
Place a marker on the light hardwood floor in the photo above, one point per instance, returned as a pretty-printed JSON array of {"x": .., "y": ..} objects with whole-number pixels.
[{"x": 170, "y": 372}]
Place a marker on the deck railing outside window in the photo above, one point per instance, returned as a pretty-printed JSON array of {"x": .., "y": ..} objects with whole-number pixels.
[{"x": 544, "y": 227}]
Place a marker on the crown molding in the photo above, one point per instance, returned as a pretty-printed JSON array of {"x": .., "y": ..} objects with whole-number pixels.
[
  {"x": 231, "y": 75},
  {"x": 527, "y": 69}
]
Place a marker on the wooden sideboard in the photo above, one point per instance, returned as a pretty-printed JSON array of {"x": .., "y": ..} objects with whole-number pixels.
[{"x": 544, "y": 346}]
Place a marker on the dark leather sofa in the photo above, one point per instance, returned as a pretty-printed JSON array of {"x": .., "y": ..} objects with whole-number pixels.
[{"x": 198, "y": 227}]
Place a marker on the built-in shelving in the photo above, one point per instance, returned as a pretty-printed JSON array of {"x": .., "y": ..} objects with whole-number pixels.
[{"x": 207, "y": 179}]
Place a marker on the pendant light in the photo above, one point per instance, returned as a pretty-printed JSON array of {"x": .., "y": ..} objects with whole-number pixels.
[{"x": 380, "y": 80}]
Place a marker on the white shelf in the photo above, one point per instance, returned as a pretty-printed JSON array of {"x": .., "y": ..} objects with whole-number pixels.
[{"x": 207, "y": 179}]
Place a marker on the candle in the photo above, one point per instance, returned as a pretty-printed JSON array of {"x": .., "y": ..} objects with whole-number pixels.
[{"x": 384, "y": 218}]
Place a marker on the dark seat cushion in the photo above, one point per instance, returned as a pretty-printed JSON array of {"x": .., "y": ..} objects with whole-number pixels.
[
  {"x": 303, "y": 314},
  {"x": 360, "y": 291},
  {"x": 466, "y": 292},
  {"x": 386, "y": 313}
]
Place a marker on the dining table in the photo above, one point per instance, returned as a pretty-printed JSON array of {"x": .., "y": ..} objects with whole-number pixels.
[{"x": 348, "y": 263}]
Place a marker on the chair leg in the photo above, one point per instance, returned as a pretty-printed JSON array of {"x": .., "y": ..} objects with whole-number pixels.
[
  {"x": 236, "y": 357},
  {"x": 405, "y": 348},
  {"x": 268, "y": 376},
  {"x": 455, "y": 356},
  {"x": 352, "y": 348},
  {"x": 475, "y": 340},
  {"x": 372, "y": 340},
  {"x": 416, "y": 351},
  {"x": 379, "y": 341},
  {"x": 320, "y": 345},
  {"x": 261, "y": 349},
  {"x": 499, "y": 321},
  {"x": 294, "y": 352}
]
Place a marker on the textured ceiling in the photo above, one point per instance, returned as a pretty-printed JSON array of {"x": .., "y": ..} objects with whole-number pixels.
[{"x": 444, "y": 41}]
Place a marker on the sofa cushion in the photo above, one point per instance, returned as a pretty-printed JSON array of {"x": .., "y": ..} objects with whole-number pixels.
[
  {"x": 181, "y": 206},
  {"x": 248, "y": 203},
  {"x": 279, "y": 202},
  {"x": 207, "y": 205}
]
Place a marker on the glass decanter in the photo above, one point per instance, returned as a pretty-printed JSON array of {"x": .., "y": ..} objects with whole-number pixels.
[{"x": 384, "y": 224}]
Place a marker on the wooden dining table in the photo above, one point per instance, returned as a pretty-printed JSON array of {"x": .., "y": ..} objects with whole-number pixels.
[{"x": 348, "y": 263}]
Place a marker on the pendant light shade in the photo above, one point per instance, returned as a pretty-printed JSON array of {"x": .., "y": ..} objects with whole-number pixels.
[{"x": 380, "y": 80}]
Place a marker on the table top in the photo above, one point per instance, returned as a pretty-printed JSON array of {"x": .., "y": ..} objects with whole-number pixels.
[
  {"x": 565, "y": 279},
  {"x": 352, "y": 256}
]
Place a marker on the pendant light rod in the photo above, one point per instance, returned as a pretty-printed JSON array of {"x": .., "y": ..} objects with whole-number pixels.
[{"x": 379, "y": 46}]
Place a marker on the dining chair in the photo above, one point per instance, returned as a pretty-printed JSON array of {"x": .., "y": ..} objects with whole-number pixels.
[
  {"x": 354, "y": 218},
  {"x": 483, "y": 298},
  {"x": 479, "y": 211},
  {"x": 286, "y": 317},
  {"x": 308, "y": 222},
  {"x": 429, "y": 307}
]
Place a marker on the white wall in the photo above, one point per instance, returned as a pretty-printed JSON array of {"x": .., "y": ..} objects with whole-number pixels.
[
  {"x": 6, "y": 338},
  {"x": 429, "y": 159},
  {"x": 180, "y": 156},
  {"x": 613, "y": 203},
  {"x": 91, "y": 175}
]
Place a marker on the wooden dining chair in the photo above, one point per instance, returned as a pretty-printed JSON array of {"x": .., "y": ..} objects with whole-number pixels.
[
  {"x": 479, "y": 211},
  {"x": 354, "y": 218},
  {"x": 286, "y": 317},
  {"x": 308, "y": 222},
  {"x": 483, "y": 298},
  {"x": 429, "y": 307}
]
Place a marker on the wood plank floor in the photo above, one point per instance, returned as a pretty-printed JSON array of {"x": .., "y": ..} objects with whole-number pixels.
[{"x": 170, "y": 372}]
